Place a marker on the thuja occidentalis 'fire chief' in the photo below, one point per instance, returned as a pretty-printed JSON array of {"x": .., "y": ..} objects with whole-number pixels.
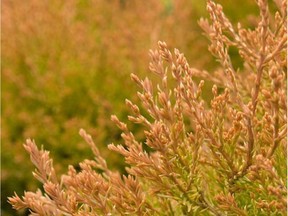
[{"x": 220, "y": 157}]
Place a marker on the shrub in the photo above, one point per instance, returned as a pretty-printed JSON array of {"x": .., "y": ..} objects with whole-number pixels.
[
  {"x": 61, "y": 72},
  {"x": 218, "y": 157},
  {"x": 62, "y": 51}
]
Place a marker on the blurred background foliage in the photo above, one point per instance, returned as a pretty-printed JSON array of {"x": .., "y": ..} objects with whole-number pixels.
[{"x": 66, "y": 65}]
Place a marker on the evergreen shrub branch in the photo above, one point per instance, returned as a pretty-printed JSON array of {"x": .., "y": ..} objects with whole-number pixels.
[{"x": 220, "y": 157}]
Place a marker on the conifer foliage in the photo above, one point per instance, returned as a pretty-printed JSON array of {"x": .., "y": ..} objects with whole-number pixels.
[{"x": 225, "y": 156}]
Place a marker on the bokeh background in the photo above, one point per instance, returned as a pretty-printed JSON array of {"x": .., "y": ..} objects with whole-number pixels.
[{"x": 66, "y": 65}]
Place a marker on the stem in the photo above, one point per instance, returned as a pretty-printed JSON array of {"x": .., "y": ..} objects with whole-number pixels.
[
  {"x": 276, "y": 141},
  {"x": 251, "y": 138},
  {"x": 203, "y": 203},
  {"x": 250, "y": 148},
  {"x": 279, "y": 47},
  {"x": 206, "y": 203}
]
